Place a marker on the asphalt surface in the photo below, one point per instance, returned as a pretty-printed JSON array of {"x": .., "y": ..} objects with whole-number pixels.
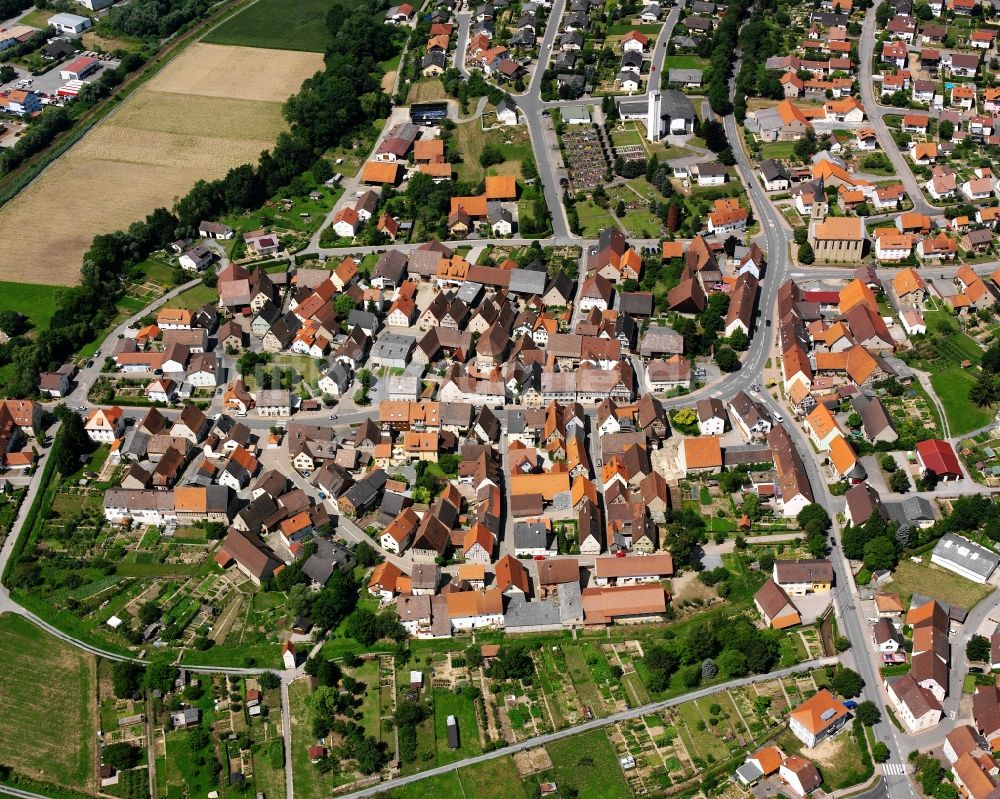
[{"x": 875, "y": 113}]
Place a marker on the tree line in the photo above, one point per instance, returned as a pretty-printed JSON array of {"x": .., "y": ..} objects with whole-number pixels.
[{"x": 330, "y": 108}]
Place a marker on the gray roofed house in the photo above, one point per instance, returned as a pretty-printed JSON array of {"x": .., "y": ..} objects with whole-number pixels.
[
  {"x": 661, "y": 341},
  {"x": 632, "y": 62},
  {"x": 363, "y": 319},
  {"x": 636, "y": 303},
  {"x": 534, "y": 616},
  {"x": 684, "y": 77},
  {"x": 570, "y": 603},
  {"x": 527, "y": 281},
  {"x": 390, "y": 269},
  {"x": 774, "y": 174},
  {"x": 532, "y": 538},
  {"x": 918, "y": 511},
  {"x": 329, "y": 556},
  {"x": 393, "y": 350},
  {"x": 965, "y": 557}
]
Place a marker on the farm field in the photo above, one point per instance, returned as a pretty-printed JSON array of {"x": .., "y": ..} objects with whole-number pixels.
[
  {"x": 194, "y": 120},
  {"x": 302, "y": 26},
  {"x": 46, "y": 718}
]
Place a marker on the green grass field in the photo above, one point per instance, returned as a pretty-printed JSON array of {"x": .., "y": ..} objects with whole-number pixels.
[
  {"x": 593, "y": 219},
  {"x": 777, "y": 149},
  {"x": 195, "y": 297},
  {"x": 47, "y": 724},
  {"x": 277, "y": 24},
  {"x": 483, "y": 779},
  {"x": 922, "y": 578},
  {"x": 448, "y": 704},
  {"x": 684, "y": 62},
  {"x": 952, "y": 386},
  {"x": 588, "y": 763},
  {"x": 37, "y": 302}
]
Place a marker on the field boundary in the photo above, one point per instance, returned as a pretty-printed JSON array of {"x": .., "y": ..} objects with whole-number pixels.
[{"x": 17, "y": 181}]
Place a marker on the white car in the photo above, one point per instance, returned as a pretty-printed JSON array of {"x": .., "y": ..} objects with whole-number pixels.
[{"x": 778, "y": 417}]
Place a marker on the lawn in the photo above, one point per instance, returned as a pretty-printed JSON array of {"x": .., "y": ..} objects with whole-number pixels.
[
  {"x": 924, "y": 578},
  {"x": 579, "y": 673},
  {"x": 470, "y": 138},
  {"x": 706, "y": 741},
  {"x": 777, "y": 149},
  {"x": 47, "y": 719},
  {"x": 593, "y": 219},
  {"x": 641, "y": 223},
  {"x": 845, "y": 765},
  {"x": 588, "y": 763},
  {"x": 447, "y": 704},
  {"x": 37, "y": 302},
  {"x": 186, "y": 776},
  {"x": 482, "y": 779},
  {"x": 371, "y": 708},
  {"x": 195, "y": 297},
  {"x": 952, "y": 385},
  {"x": 277, "y": 24},
  {"x": 684, "y": 62},
  {"x": 309, "y": 783}
]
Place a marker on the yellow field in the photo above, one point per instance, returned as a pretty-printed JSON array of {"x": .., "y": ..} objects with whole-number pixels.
[{"x": 213, "y": 108}]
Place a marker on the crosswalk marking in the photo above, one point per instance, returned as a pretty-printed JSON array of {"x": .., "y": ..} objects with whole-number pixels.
[{"x": 893, "y": 768}]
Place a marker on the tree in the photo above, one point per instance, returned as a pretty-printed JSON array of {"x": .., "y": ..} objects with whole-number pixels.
[
  {"x": 161, "y": 675},
  {"x": 946, "y": 129},
  {"x": 732, "y": 664},
  {"x": 362, "y": 626},
  {"x": 366, "y": 555},
  {"x": 661, "y": 662},
  {"x": 127, "y": 678},
  {"x": 978, "y": 649},
  {"x": 806, "y": 254},
  {"x": 13, "y": 323},
  {"x": 880, "y": 752},
  {"x": 899, "y": 482},
  {"x": 852, "y": 542},
  {"x": 513, "y": 663},
  {"x": 727, "y": 360},
  {"x": 813, "y": 512},
  {"x": 868, "y": 713},
  {"x": 739, "y": 340},
  {"x": 879, "y": 554},
  {"x": 847, "y": 682},
  {"x": 121, "y": 756},
  {"x": 751, "y": 506},
  {"x": 709, "y": 669},
  {"x": 269, "y": 680}
]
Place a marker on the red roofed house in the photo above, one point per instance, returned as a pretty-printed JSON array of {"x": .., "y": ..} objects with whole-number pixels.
[{"x": 938, "y": 458}]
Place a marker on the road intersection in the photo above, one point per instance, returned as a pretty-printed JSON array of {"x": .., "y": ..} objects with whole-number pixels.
[{"x": 776, "y": 239}]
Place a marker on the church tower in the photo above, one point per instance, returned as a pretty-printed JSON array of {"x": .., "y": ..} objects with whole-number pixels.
[{"x": 654, "y": 115}]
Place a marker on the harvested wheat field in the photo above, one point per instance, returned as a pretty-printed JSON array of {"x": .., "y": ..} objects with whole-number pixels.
[{"x": 214, "y": 107}]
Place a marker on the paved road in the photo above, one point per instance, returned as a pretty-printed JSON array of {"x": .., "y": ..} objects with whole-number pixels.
[
  {"x": 464, "y": 21},
  {"x": 540, "y": 127},
  {"x": 876, "y": 112},
  {"x": 594, "y": 724}
]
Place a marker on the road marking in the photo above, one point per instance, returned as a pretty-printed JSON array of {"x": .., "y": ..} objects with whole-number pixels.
[{"x": 893, "y": 768}]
